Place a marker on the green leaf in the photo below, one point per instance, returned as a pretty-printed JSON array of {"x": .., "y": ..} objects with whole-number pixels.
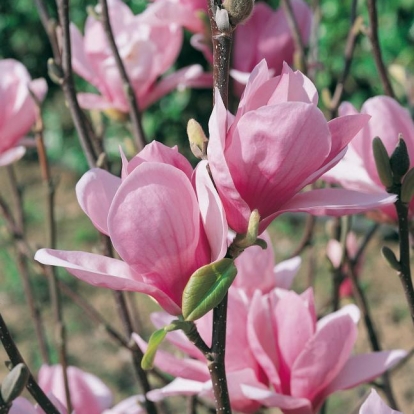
[
  {"x": 154, "y": 342},
  {"x": 207, "y": 287}
]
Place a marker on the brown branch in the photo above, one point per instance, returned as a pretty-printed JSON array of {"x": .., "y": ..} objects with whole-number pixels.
[
  {"x": 373, "y": 37},
  {"x": 297, "y": 38},
  {"x": 307, "y": 236},
  {"x": 134, "y": 112},
  {"x": 353, "y": 34},
  {"x": 51, "y": 232},
  {"x": 68, "y": 85}
]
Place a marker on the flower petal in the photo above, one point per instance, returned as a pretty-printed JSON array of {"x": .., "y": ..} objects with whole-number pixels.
[{"x": 104, "y": 272}]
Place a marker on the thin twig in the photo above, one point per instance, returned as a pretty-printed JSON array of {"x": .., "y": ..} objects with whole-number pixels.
[
  {"x": 297, "y": 38},
  {"x": 353, "y": 34},
  {"x": 17, "y": 234},
  {"x": 16, "y": 358},
  {"x": 307, "y": 236},
  {"x": 51, "y": 232},
  {"x": 68, "y": 85},
  {"x": 405, "y": 273},
  {"x": 373, "y": 37},
  {"x": 134, "y": 112}
]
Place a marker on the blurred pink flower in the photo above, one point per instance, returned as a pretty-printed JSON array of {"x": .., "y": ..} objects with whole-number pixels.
[
  {"x": 256, "y": 269},
  {"x": 18, "y": 110},
  {"x": 192, "y": 376},
  {"x": 266, "y": 35},
  {"x": 374, "y": 405},
  {"x": 88, "y": 394},
  {"x": 334, "y": 253},
  {"x": 148, "y": 44},
  {"x": 357, "y": 170},
  {"x": 164, "y": 221},
  {"x": 131, "y": 405},
  {"x": 23, "y": 406},
  {"x": 306, "y": 360},
  {"x": 278, "y": 143},
  {"x": 186, "y": 13}
]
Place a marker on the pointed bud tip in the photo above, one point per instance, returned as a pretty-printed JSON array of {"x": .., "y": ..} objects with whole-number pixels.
[
  {"x": 382, "y": 162},
  {"x": 14, "y": 383},
  {"x": 390, "y": 257},
  {"x": 400, "y": 159}
]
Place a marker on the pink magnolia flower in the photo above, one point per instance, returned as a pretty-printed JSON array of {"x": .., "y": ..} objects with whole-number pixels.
[
  {"x": 278, "y": 143},
  {"x": 374, "y": 405},
  {"x": 334, "y": 253},
  {"x": 88, "y": 394},
  {"x": 266, "y": 35},
  {"x": 357, "y": 171},
  {"x": 306, "y": 360},
  {"x": 192, "y": 376},
  {"x": 256, "y": 269},
  {"x": 186, "y": 13},
  {"x": 131, "y": 405},
  {"x": 148, "y": 44},
  {"x": 18, "y": 109},
  {"x": 164, "y": 221},
  {"x": 23, "y": 406}
]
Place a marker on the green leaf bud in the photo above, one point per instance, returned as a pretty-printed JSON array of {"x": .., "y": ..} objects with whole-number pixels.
[
  {"x": 400, "y": 160},
  {"x": 14, "y": 383},
  {"x": 389, "y": 256},
  {"x": 382, "y": 162},
  {"x": 407, "y": 188}
]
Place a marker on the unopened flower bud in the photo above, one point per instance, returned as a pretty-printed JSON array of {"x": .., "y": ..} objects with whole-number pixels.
[
  {"x": 197, "y": 138},
  {"x": 239, "y": 10},
  {"x": 222, "y": 20},
  {"x": 54, "y": 71},
  {"x": 14, "y": 383},
  {"x": 382, "y": 162},
  {"x": 400, "y": 160},
  {"x": 389, "y": 256},
  {"x": 407, "y": 188}
]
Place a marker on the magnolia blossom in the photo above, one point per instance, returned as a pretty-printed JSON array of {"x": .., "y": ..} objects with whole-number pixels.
[
  {"x": 192, "y": 375},
  {"x": 267, "y": 35},
  {"x": 23, "y": 406},
  {"x": 304, "y": 359},
  {"x": 357, "y": 171},
  {"x": 278, "y": 143},
  {"x": 88, "y": 394},
  {"x": 148, "y": 44},
  {"x": 256, "y": 269},
  {"x": 164, "y": 221},
  {"x": 191, "y": 14},
  {"x": 334, "y": 254},
  {"x": 131, "y": 405},
  {"x": 18, "y": 109},
  {"x": 374, "y": 405}
]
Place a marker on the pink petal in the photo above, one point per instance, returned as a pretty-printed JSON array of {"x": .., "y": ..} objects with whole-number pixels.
[
  {"x": 286, "y": 271},
  {"x": 335, "y": 202},
  {"x": 95, "y": 192},
  {"x": 104, "y": 272},
  {"x": 229, "y": 195},
  {"x": 131, "y": 405},
  {"x": 350, "y": 310},
  {"x": 272, "y": 399},
  {"x": 364, "y": 368},
  {"x": 295, "y": 327},
  {"x": 374, "y": 405},
  {"x": 12, "y": 155},
  {"x": 155, "y": 210},
  {"x": 261, "y": 339},
  {"x": 80, "y": 61},
  {"x": 212, "y": 212},
  {"x": 266, "y": 152},
  {"x": 344, "y": 129},
  {"x": 323, "y": 356},
  {"x": 334, "y": 252},
  {"x": 157, "y": 152},
  {"x": 94, "y": 101},
  {"x": 179, "y": 386},
  {"x": 22, "y": 406}
]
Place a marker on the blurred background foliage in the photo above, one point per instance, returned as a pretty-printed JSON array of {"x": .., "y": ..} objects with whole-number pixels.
[{"x": 22, "y": 37}]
